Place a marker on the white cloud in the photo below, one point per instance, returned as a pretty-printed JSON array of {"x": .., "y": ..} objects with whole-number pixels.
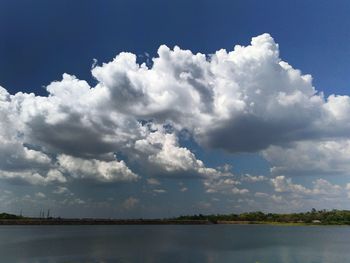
[
  {"x": 61, "y": 190},
  {"x": 153, "y": 181},
  {"x": 282, "y": 184},
  {"x": 183, "y": 189},
  {"x": 55, "y": 175},
  {"x": 159, "y": 191},
  {"x": 33, "y": 177},
  {"x": 305, "y": 157},
  {"x": 223, "y": 182},
  {"x": 130, "y": 202},
  {"x": 162, "y": 149},
  {"x": 261, "y": 194},
  {"x": 321, "y": 187},
  {"x": 236, "y": 190},
  {"x": 245, "y": 100},
  {"x": 253, "y": 178},
  {"x": 40, "y": 195},
  {"x": 290, "y": 196},
  {"x": 104, "y": 171},
  {"x": 73, "y": 202},
  {"x": 247, "y": 96}
]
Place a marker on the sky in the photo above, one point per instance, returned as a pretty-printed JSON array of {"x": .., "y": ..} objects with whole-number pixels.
[{"x": 130, "y": 109}]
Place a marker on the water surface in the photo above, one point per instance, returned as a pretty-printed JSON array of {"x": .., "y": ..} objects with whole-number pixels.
[{"x": 175, "y": 243}]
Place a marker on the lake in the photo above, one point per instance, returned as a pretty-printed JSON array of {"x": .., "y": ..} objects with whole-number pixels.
[{"x": 175, "y": 243}]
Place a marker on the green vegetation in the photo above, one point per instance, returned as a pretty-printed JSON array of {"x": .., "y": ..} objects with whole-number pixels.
[
  {"x": 333, "y": 217},
  {"x": 10, "y": 216},
  {"x": 313, "y": 217}
]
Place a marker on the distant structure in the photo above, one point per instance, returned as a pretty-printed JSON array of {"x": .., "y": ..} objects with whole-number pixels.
[{"x": 42, "y": 213}]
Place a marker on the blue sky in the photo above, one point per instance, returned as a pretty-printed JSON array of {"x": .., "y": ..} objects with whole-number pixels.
[{"x": 41, "y": 40}]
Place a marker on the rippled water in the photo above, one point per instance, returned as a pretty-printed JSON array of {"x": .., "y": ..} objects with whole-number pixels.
[{"x": 175, "y": 243}]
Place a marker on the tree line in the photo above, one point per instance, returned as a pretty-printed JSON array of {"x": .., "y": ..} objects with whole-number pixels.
[{"x": 321, "y": 216}]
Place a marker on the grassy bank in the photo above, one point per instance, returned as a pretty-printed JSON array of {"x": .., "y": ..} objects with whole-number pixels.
[{"x": 311, "y": 218}]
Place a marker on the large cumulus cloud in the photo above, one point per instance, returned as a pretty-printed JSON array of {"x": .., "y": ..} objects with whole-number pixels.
[{"x": 245, "y": 100}]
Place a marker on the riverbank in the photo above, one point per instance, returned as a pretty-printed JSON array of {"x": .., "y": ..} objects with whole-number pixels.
[
  {"x": 272, "y": 223},
  {"x": 312, "y": 218},
  {"x": 102, "y": 222},
  {"x": 151, "y": 222}
]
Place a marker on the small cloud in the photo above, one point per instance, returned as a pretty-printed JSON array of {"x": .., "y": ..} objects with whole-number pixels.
[
  {"x": 226, "y": 168},
  {"x": 40, "y": 195},
  {"x": 236, "y": 190},
  {"x": 94, "y": 63},
  {"x": 260, "y": 194},
  {"x": 130, "y": 202},
  {"x": 183, "y": 189},
  {"x": 253, "y": 178},
  {"x": 75, "y": 201},
  {"x": 277, "y": 198},
  {"x": 61, "y": 190},
  {"x": 78, "y": 201},
  {"x": 27, "y": 197},
  {"x": 204, "y": 205},
  {"x": 159, "y": 191},
  {"x": 153, "y": 181}
]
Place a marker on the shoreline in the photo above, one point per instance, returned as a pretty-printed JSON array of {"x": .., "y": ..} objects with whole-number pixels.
[
  {"x": 102, "y": 222},
  {"x": 38, "y": 222}
]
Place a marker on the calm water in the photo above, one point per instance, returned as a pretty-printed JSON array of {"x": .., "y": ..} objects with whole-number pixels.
[{"x": 213, "y": 243}]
